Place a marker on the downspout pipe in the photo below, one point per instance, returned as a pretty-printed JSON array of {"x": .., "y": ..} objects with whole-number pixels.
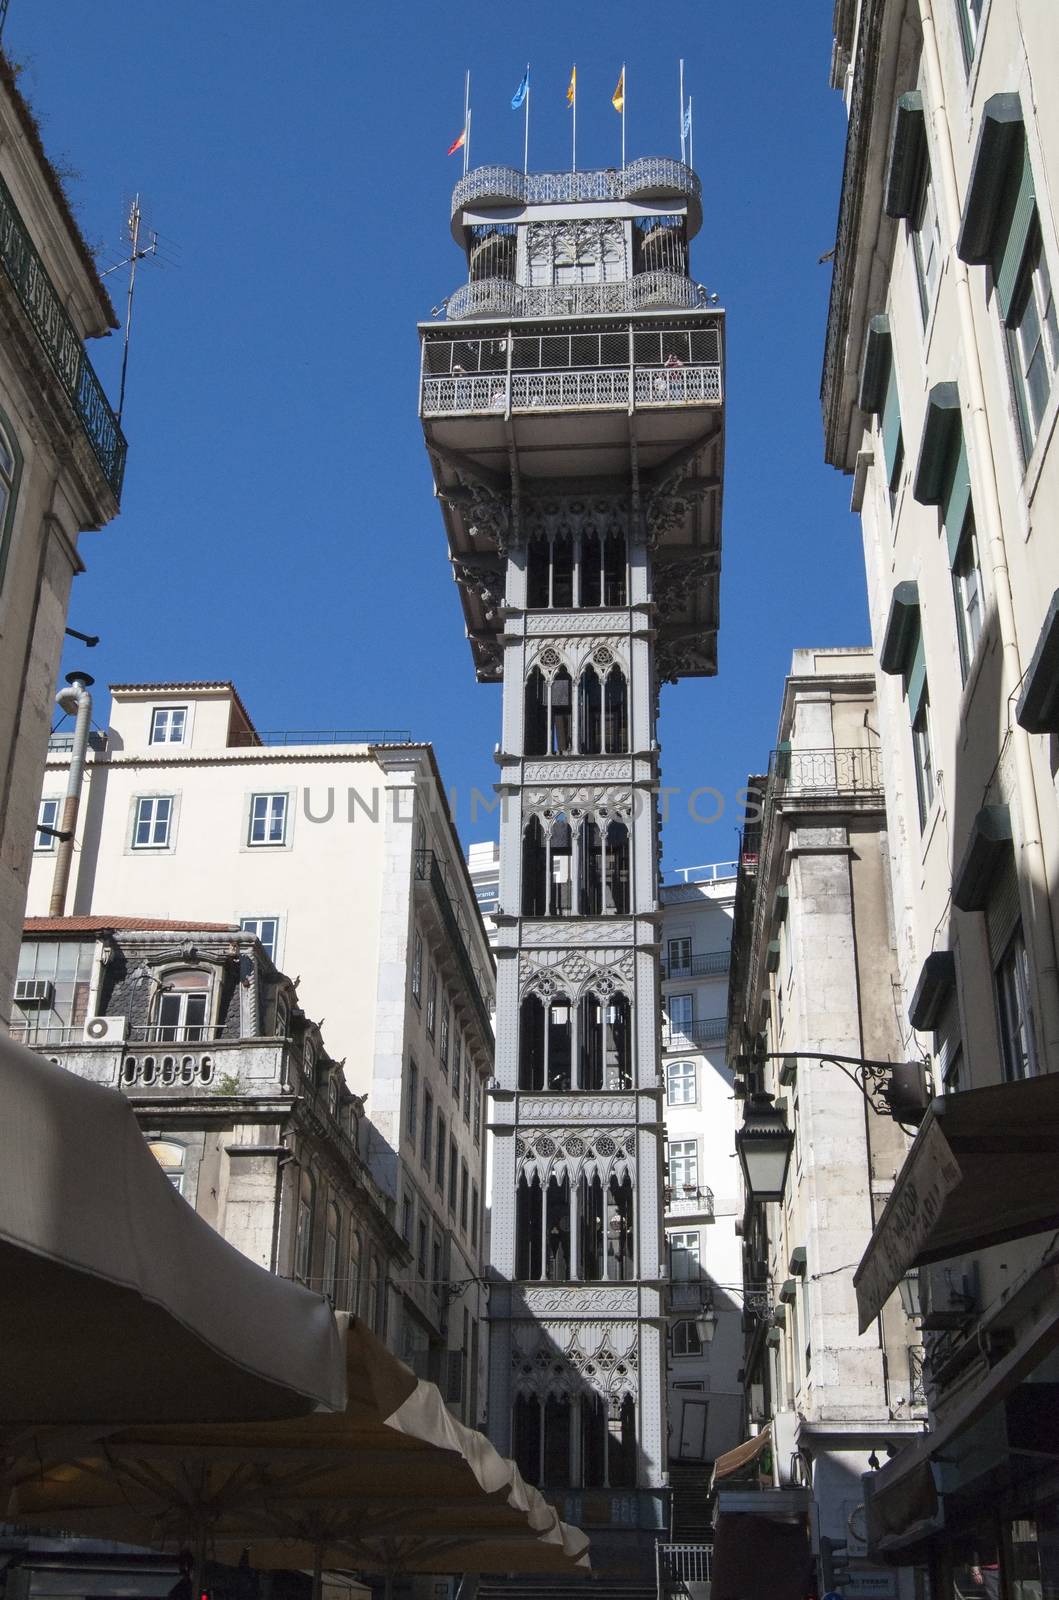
[
  {"x": 1032, "y": 846},
  {"x": 76, "y": 699}
]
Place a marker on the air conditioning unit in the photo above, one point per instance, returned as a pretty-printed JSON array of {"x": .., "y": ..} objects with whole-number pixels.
[
  {"x": 106, "y": 1030},
  {"x": 33, "y": 992}
]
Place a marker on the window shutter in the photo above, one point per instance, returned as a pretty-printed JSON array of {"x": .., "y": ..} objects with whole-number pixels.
[
  {"x": 891, "y": 423},
  {"x": 1015, "y": 237},
  {"x": 947, "y": 1036},
  {"x": 916, "y": 680},
  {"x": 957, "y": 501},
  {"x": 1003, "y": 911}
]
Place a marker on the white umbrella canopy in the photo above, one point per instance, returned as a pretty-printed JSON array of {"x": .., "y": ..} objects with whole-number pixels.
[
  {"x": 392, "y": 1484},
  {"x": 119, "y": 1303}
]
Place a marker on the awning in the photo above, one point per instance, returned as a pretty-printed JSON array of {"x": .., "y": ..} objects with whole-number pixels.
[
  {"x": 760, "y": 1558},
  {"x": 741, "y": 1456},
  {"x": 982, "y": 1170},
  {"x": 119, "y": 1303},
  {"x": 901, "y": 1500}
]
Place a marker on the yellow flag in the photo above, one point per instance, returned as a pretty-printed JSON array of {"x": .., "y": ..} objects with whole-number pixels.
[
  {"x": 571, "y": 90},
  {"x": 617, "y": 99}
]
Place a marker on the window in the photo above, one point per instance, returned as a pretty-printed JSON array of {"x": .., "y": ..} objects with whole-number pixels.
[
  {"x": 182, "y": 1007},
  {"x": 268, "y": 819},
  {"x": 967, "y": 595},
  {"x": 168, "y": 724},
  {"x": 47, "y": 817},
  {"x": 923, "y": 756},
  {"x": 969, "y": 13},
  {"x": 407, "y": 1214},
  {"x": 353, "y": 1283},
  {"x": 372, "y": 1308},
  {"x": 679, "y": 964},
  {"x": 926, "y": 242},
  {"x": 426, "y": 1149},
  {"x": 303, "y": 1236},
  {"x": 172, "y": 1158},
  {"x": 412, "y": 1112},
  {"x": 1033, "y": 338},
  {"x": 478, "y": 1111},
  {"x": 417, "y": 968},
  {"x": 683, "y": 1164},
  {"x": 59, "y": 973},
  {"x": 440, "y": 1147},
  {"x": 1013, "y": 1007},
  {"x": 464, "y": 1181},
  {"x": 330, "y": 1283},
  {"x": 435, "y": 1263},
  {"x": 678, "y": 1010},
  {"x": 457, "y": 1055},
  {"x": 454, "y": 1174},
  {"x": 684, "y": 1256},
  {"x": 681, "y": 1083},
  {"x": 443, "y": 1045},
  {"x": 891, "y": 437},
  {"x": 475, "y": 1206},
  {"x": 265, "y": 930},
  {"x": 421, "y": 1252},
  {"x": 154, "y": 814},
  {"x": 432, "y": 1000},
  {"x": 467, "y": 1071},
  {"x": 686, "y": 1341},
  {"x": 10, "y": 471}
]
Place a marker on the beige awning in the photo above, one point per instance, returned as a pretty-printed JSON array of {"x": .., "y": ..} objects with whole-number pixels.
[
  {"x": 119, "y": 1303},
  {"x": 741, "y": 1456},
  {"x": 982, "y": 1170}
]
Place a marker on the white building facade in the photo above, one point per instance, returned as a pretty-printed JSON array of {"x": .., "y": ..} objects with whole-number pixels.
[{"x": 341, "y": 858}]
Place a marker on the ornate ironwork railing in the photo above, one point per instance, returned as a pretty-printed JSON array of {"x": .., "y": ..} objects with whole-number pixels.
[
  {"x": 678, "y": 1036},
  {"x": 60, "y": 341},
  {"x": 652, "y": 176},
  {"x": 594, "y": 388},
  {"x": 711, "y": 964},
  {"x": 677, "y": 386},
  {"x": 430, "y": 869},
  {"x": 499, "y": 297},
  {"x": 855, "y": 770},
  {"x": 689, "y": 1201}
]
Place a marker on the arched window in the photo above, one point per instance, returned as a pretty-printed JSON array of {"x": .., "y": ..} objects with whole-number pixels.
[
  {"x": 172, "y": 1158},
  {"x": 303, "y": 1234},
  {"x": 330, "y": 1283},
  {"x": 10, "y": 472},
  {"x": 528, "y": 1218},
  {"x": 353, "y": 1284},
  {"x": 591, "y": 570},
  {"x": 531, "y": 1043},
  {"x": 538, "y": 574},
  {"x": 605, "y": 1042},
  {"x": 561, "y": 714},
  {"x": 590, "y": 713},
  {"x": 373, "y": 1308},
  {"x": 535, "y": 735},
  {"x": 526, "y": 1436},
  {"x": 616, "y": 886},
  {"x": 562, "y": 572},
  {"x": 534, "y": 870},
  {"x": 181, "y": 1010},
  {"x": 559, "y": 1057},
  {"x": 615, "y": 713},
  {"x": 621, "y": 1442},
  {"x": 560, "y": 875},
  {"x": 615, "y": 566},
  {"x": 604, "y": 869}
]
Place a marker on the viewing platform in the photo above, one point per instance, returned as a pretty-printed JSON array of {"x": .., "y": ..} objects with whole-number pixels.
[{"x": 651, "y": 180}]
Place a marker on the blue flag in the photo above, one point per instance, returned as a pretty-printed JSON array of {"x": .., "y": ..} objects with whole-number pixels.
[{"x": 521, "y": 92}]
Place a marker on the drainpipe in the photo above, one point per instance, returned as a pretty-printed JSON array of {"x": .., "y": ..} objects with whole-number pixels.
[
  {"x": 1036, "y": 874},
  {"x": 75, "y": 698}
]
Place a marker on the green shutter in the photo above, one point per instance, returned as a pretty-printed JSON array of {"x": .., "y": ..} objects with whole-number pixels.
[
  {"x": 1012, "y": 241},
  {"x": 891, "y": 423},
  {"x": 957, "y": 500},
  {"x": 916, "y": 680}
]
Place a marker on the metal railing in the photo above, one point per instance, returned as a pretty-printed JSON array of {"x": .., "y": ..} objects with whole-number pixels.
[
  {"x": 710, "y": 1030},
  {"x": 591, "y": 388},
  {"x": 711, "y": 872},
  {"x": 653, "y": 175},
  {"x": 34, "y": 1034},
  {"x": 60, "y": 341},
  {"x": 712, "y": 964},
  {"x": 247, "y": 738},
  {"x": 855, "y": 770},
  {"x": 677, "y": 1565},
  {"x": 645, "y": 291},
  {"x": 689, "y": 1201},
  {"x": 429, "y": 868},
  {"x": 174, "y": 1033},
  {"x": 63, "y": 743}
]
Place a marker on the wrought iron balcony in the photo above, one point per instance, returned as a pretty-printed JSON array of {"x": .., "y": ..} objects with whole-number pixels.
[
  {"x": 429, "y": 869},
  {"x": 652, "y": 178},
  {"x": 684, "y": 1035},
  {"x": 826, "y": 772},
  {"x": 60, "y": 341},
  {"x": 713, "y": 964},
  {"x": 647, "y": 291},
  {"x": 689, "y": 1201}
]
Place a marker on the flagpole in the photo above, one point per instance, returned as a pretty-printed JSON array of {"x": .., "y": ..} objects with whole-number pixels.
[
  {"x": 683, "y": 143},
  {"x": 525, "y": 143},
  {"x": 575, "y": 118},
  {"x": 624, "y": 96},
  {"x": 466, "y": 120}
]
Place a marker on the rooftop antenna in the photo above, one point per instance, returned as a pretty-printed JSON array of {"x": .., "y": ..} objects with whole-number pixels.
[
  {"x": 3, "y": 13},
  {"x": 137, "y": 253}
]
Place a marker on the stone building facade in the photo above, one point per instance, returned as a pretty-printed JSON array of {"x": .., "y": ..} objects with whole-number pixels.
[
  {"x": 940, "y": 394},
  {"x": 62, "y": 458},
  {"x": 572, "y": 403}
]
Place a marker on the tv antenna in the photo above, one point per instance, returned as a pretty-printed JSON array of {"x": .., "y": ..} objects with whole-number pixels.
[
  {"x": 3, "y": 13},
  {"x": 137, "y": 252}
]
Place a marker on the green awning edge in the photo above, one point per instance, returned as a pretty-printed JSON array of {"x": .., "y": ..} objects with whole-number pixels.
[
  {"x": 907, "y": 153},
  {"x": 876, "y": 364},
  {"x": 941, "y": 429},
  {"x": 990, "y": 841},
  {"x": 1000, "y": 139},
  {"x": 1038, "y": 705},
  {"x": 902, "y": 628}
]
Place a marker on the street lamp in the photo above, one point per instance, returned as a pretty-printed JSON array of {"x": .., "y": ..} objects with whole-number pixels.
[
  {"x": 764, "y": 1145},
  {"x": 911, "y": 1300},
  {"x": 706, "y": 1324}
]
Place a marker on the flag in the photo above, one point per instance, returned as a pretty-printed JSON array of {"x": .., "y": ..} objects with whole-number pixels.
[
  {"x": 617, "y": 99},
  {"x": 571, "y": 88},
  {"x": 687, "y": 120},
  {"x": 521, "y": 92},
  {"x": 457, "y": 144}
]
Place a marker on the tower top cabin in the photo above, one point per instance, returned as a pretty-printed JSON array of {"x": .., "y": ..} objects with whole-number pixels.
[{"x": 579, "y": 374}]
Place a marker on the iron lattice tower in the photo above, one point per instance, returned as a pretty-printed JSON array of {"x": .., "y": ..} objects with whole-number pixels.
[{"x": 572, "y": 403}]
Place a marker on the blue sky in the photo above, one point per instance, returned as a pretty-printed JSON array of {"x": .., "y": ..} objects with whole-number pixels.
[{"x": 278, "y": 526}]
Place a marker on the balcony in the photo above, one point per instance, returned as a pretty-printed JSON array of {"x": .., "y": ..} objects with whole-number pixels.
[
  {"x": 60, "y": 342},
  {"x": 689, "y": 1201},
  {"x": 686, "y": 1035},
  {"x": 713, "y": 964},
  {"x": 652, "y": 178},
  {"x": 851, "y": 771},
  {"x": 430, "y": 869},
  {"x": 647, "y": 291}
]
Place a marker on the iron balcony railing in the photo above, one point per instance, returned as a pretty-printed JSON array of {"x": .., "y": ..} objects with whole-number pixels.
[
  {"x": 678, "y": 1565},
  {"x": 431, "y": 870},
  {"x": 851, "y": 770},
  {"x": 646, "y": 291},
  {"x": 652, "y": 177},
  {"x": 688, "y": 1201},
  {"x": 712, "y": 964},
  {"x": 246, "y": 738},
  {"x": 60, "y": 341},
  {"x": 711, "y": 872},
  {"x": 679, "y": 1036}
]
